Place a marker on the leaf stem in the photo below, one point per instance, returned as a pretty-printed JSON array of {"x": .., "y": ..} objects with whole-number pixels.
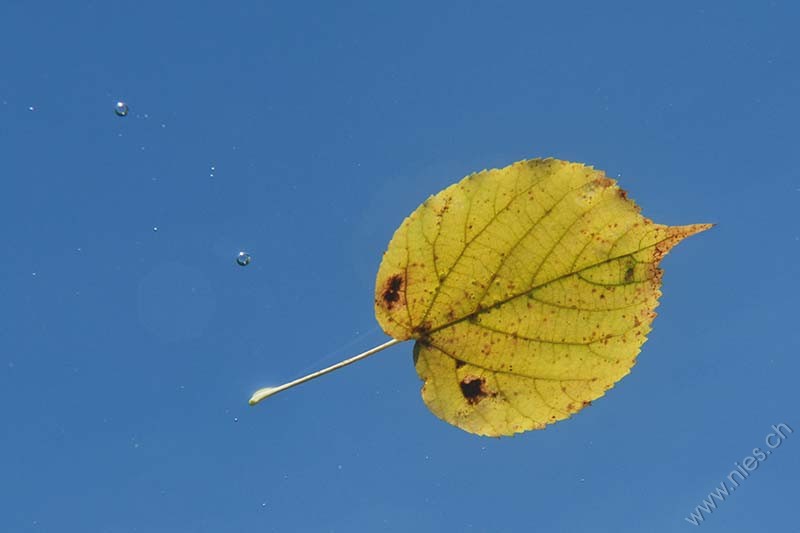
[{"x": 266, "y": 392}]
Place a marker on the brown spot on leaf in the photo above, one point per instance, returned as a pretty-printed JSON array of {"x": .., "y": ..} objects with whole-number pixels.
[
  {"x": 421, "y": 330},
  {"x": 629, "y": 275},
  {"x": 460, "y": 363},
  {"x": 474, "y": 389},
  {"x": 391, "y": 291}
]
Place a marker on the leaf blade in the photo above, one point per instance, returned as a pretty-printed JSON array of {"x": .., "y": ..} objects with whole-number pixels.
[{"x": 508, "y": 281}]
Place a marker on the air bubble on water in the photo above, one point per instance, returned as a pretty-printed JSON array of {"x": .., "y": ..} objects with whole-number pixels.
[
  {"x": 243, "y": 259},
  {"x": 155, "y": 228},
  {"x": 236, "y": 419},
  {"x": 121, "y": 109}
]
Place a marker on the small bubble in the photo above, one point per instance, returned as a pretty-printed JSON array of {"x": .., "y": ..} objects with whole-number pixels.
[
  {"x": 121, "y": 109},
  {"x": 263, "y": 504},
  {"x": 236, "y": 419},
  {"x": 31, "y": 108},
  {"x": 155, "y": 228},
  {"x": 243, "y": 259}
]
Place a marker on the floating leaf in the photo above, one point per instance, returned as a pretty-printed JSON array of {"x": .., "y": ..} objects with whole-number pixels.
[{"x": 529, "y": 291}]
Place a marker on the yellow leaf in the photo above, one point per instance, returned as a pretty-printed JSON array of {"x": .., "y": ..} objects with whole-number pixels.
[{"x": 529, "y": 291}]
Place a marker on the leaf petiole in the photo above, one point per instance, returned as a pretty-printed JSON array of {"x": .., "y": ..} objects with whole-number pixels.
[{"x": 266, "y": 392}]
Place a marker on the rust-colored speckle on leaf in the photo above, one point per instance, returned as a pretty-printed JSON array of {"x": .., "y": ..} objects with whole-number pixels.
[{"x": 603, "y": 181}]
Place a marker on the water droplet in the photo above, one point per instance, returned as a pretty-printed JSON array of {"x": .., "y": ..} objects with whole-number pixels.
[
  {"x": 31, "y": 108},
  {"x": 121, "y": 109},
  {"x": 243, "y": 259},
  {"x": 236, "y": 419},
  {"x": 155, "y": 228}
]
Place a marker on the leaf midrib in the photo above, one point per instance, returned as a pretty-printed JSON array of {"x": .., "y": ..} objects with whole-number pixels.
[{"x": 531, "y": 289}]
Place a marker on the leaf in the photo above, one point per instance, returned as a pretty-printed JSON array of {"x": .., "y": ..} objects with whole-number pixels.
[{"x": 529, "y": 291}]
